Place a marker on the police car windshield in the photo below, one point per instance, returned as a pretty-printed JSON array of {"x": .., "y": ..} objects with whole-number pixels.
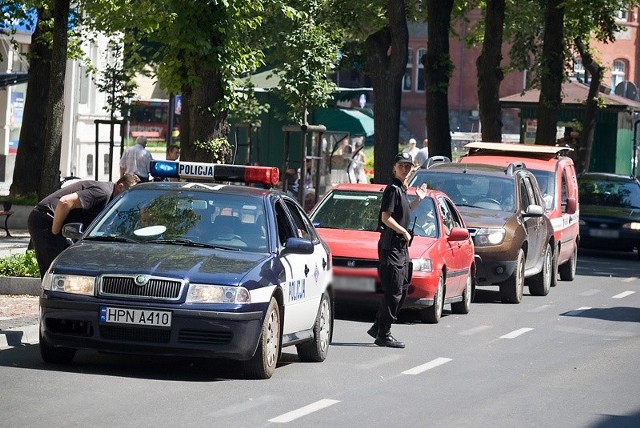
[{"x": 186, "y": 217}]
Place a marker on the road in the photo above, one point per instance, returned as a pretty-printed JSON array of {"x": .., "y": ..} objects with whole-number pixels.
[{"x": 569, "y": 359}]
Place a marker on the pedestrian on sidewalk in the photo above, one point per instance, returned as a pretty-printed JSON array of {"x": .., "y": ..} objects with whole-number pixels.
[
  {"x": 80, "y": 202},
  {"x": 137, "y": 160}
]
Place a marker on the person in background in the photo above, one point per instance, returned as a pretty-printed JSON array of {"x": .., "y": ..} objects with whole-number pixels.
[
  {"x": 136, "y": 160},
  {"x": 173, "y": 152},
  {"x": 79, "y": 202},
  {"x": 411, "y": 148},
  {"x": 393, "y": 250},
  {"x": 423, "y": 154}
]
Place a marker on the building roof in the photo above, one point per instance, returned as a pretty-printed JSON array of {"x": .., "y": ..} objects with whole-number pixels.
[{"x": 574, "y": 94}]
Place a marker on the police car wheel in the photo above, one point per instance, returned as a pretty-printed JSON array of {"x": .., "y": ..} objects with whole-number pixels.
[
  {"x": 263, "y": 363},
  {"x": 316, "y": 350},
  {"x": 51, "y": 354}
]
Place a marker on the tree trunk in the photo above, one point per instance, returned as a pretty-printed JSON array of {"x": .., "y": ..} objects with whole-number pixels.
[
  {"x": 50, "y": 179},
  {"x": 26, "y": 178},
  {"x": 583, "y": 155},
  {"x": 387, "y": 58},
  {"x": 437, "y": 72},
  {"x": 552, "y": 72},
  {"x": 490, "y": 73}
]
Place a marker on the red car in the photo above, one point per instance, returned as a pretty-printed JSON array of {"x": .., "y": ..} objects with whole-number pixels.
[{"x": 441, "y": 252}]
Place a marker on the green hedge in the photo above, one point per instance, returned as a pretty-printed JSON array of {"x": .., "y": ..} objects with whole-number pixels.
[{"x": 20, "y": 265}]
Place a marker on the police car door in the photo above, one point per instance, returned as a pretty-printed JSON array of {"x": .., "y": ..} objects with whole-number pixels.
[{"x": 301, "y": 290}]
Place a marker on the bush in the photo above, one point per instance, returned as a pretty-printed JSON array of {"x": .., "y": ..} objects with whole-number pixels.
[{"x": 20, "y": 265}]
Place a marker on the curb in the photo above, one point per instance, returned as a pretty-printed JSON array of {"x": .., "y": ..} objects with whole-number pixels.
[
  {"x": 20, "y": 285},
  {"x": 19, "y": 336}
]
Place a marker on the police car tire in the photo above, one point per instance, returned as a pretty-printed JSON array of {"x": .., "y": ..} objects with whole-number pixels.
[
  {"x": 264, "y": 361},
  {"x": 53, "y": 355},
  {"x": 316, "y": 350}
]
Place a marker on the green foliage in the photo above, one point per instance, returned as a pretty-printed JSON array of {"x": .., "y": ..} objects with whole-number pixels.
[
  {"x": 249, "y": 108},
  {"x": 20, "y": 265},
  {"x": 28, "y": 200},
  {"x": 218, "y": 148}
]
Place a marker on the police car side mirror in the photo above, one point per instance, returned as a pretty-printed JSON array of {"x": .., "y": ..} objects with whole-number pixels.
[
  {"x": 73, "y": 231},
  {"x": 298, "y": 246}
]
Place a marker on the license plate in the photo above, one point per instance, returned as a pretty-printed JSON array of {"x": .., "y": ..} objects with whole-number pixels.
[
  {"x": 146, "y": 317},
  {"x": 354, "y": 283},
  {"x": 604, "y": 233}
]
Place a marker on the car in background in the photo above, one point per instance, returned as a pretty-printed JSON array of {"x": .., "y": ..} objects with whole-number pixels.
[
  {"x": 504, "y": 212},
  {"x": 610, "y": 211},
  {"x": 556, "y": 175},
  {"x": 194, "y": 268},
  {"x": 441, "y": 250}
]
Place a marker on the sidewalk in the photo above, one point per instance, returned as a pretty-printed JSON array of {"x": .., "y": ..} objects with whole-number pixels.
[{"x": 18, "y": 312}]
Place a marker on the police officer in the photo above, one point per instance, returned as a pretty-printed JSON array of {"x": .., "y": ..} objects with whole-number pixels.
[{"x": 394, "y": 267}]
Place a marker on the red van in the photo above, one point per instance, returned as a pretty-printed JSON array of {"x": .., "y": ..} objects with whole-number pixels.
[{"x": 556, "y": 177}]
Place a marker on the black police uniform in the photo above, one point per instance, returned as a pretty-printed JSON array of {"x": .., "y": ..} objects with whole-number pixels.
[{"x": 393, "y": 253}]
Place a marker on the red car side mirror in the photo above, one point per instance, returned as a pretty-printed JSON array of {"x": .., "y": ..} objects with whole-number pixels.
[{"x": 458, "y": 234}]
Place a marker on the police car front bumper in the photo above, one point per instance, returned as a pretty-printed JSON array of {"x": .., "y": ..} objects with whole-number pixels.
[{"x": 195, "y": 333}]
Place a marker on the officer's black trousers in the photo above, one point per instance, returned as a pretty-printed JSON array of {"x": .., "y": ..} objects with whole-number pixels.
[{"x": 46, "y": 245}]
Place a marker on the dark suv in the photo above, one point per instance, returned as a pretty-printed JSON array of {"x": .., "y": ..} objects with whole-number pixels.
[{"x": 504, "y": 211}]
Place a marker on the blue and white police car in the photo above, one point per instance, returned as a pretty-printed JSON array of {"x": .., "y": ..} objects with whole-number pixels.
[{"x": 198, "y": 268}]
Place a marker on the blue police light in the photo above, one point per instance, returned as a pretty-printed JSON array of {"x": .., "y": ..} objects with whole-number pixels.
[
  {"x": 215, "y": 172},
  {"x": 164, "y": 169}
]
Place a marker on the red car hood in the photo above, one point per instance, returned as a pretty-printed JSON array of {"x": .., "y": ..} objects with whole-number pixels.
[{"x": 363, "y": 244}]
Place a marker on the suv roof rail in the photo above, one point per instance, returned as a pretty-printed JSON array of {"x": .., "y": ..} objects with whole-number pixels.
[
  {"x": 435, "y": 160},
  {"x": 513, "y": 166}
]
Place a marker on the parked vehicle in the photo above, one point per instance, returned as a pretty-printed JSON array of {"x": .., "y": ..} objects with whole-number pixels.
[
  {"x": 441, "y": 250},
  {"x": 556, "y": 176},
  {"x": 610, "y": 213},
  {"x": 504, "y": 211},
  {"x": 193, "y": 269}
]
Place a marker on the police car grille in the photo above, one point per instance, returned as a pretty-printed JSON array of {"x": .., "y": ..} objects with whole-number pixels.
[
  {"x": 156, "y": 288},
  {"x": 135, "y": 334},
  {"x": 204, "y": 337},
  {"x": 355, "y": 263}
]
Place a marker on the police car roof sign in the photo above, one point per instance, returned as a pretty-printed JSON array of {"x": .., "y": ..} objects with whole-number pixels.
[{"x": 215, "y": 172}]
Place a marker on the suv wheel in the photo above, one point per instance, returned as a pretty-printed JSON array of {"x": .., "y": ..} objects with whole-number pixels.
[
  {"x": 511, "y": 289},
  {"x": 539, "y": 284},
  {"x": 568, "y": 269}
]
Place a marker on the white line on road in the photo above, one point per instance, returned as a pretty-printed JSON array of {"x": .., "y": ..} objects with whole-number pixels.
[
  {"x": 427, "y": 366},
  {"x": 540, "y": 308},
  {"x": 474, "y": 330},
  {"x": 589, "y": 292},
  {"x": 303, "y": 411},
  {"x": 623, "y": 294},
  {"x": 577, "y": 311},
  {"x": 516, "y": 333},
  {"x": 630, "y": 279}
]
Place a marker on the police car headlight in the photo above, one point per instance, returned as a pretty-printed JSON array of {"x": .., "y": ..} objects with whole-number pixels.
[
  {"x": 74, "y": 284},
  {"x": 634, "y": 225},
  {"x": 217, "y": 294},
  {"x": 421, "y": 265},
  {"x": 485, "y": 237}
]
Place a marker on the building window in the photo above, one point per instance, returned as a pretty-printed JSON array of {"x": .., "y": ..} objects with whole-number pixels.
[
  {"x": 406, "y": 80},
  {"x": 622, "y": 15},
  {"x": 420, "y": 70},
  {"x": 578, "y": 70},
  {"x": 617, "y": 73}
]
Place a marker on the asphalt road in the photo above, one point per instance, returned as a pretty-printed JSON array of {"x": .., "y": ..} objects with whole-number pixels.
[{"x": 565, "y": 360}]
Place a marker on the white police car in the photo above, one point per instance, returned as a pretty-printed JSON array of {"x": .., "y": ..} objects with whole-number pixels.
[{"x": 193, "y": 269}]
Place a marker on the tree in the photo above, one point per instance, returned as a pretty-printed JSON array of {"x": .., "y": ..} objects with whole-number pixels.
[
  {"x": 26, "y": 178},
  {"x": 489, "y": 71},
  {"x": 437, "y": 71}
]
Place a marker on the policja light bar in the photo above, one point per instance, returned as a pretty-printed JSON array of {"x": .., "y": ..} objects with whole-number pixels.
[{"x": 215, "y": 172}]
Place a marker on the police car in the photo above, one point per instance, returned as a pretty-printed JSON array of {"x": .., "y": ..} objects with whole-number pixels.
[{"x": 193, "y": 269}]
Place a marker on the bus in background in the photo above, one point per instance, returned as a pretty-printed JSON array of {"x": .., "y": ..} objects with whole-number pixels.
[{"x": 150, "y": 118}]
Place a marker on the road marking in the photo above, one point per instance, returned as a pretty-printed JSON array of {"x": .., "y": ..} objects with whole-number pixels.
[
  {"x": 516, "y": 333},
  {"x": 623, "y": 294},
  {"x": 303, "y": 411},
  {"x": 428, "y": 366},
  {"x": 589, "y": 292},
  {"x": 577, "y": 311},
  {"x": 474, "y": 330},
  {"x": 630, "y": 279},
  {"x": 380, "y": 361},
  {"x": 540, "y": 308}
]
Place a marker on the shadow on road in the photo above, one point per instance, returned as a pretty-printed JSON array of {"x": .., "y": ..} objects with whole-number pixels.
[{"x": 618, "y": 313}]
